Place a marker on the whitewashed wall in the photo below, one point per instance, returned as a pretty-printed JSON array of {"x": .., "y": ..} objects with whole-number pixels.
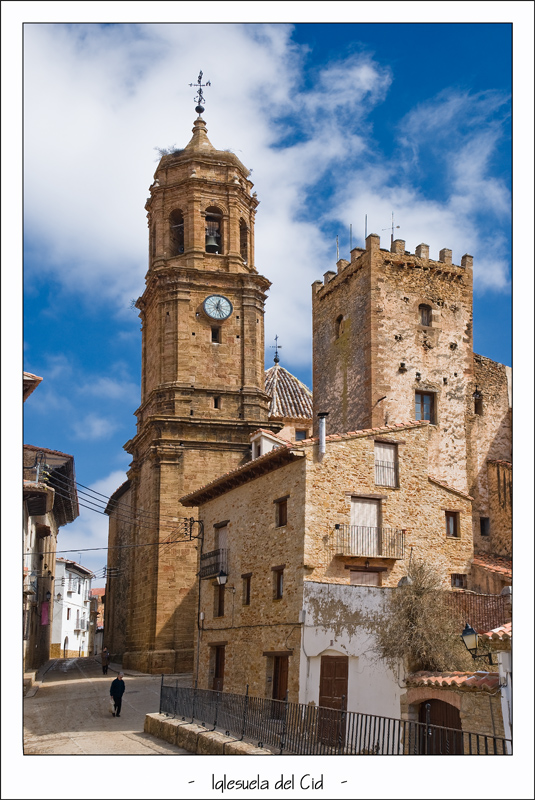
[{"x": 339, "y": 622}]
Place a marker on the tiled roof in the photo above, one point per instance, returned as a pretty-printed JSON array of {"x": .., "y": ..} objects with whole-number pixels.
[
  {"x": 269, "y": 433},
  {"x": 46, "y": 450},
  {"x": 98, "y": 592},
  {"x": 337, "y": 437},
  {"x": 278, "y": 457},
  {"x": 479, "y": 681},
  {"x": 450, "y": 488},
  {"x": 499, "y": 564},
  {"x": 290, "y": 399},
  {"x": 502, "y": 634}
]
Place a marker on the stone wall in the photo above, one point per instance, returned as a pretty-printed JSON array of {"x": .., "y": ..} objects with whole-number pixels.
[{"x": 500, "y": 481}]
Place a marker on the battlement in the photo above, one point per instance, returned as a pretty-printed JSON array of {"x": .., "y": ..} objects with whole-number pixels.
[{"x": 396, "y": 256}]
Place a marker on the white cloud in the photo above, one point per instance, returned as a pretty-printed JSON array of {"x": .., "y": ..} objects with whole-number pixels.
[
  {"x": 110, "y": 388},
  {"x": 92, "y": 426}
]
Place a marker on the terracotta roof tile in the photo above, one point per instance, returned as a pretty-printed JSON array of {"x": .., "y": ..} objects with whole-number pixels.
[
  {"x": 270, "y": 433},
  {"x": 479, "y": 681},
  {"x": 411, "y": 423},
  {"x": 290, "y": 399},
  {"x": 502, "y": 634},
  {"x": 498, "y": 564}
]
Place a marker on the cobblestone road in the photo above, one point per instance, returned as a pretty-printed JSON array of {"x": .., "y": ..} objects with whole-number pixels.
[{"x": 68, "y": 712}]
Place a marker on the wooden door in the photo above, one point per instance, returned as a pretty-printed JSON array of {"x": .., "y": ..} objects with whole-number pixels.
[
  {"x": 219, "y": 668},
  {"x": 280, "y": 685},
  {"x": 441, "y": 742},
  {"x": 333, "y": 691}
]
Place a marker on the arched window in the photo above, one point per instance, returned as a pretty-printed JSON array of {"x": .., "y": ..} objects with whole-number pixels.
[
  {"x": 213, "y": 230},
  {"x": 176, "y": 233},
  {"x": 339, "y": 326},
  {"x": 425, "y": 314},
  {"x": 244, "y": 240}
]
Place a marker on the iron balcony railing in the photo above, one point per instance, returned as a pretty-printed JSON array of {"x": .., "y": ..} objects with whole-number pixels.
[
  {"x": 212, "y": 563},
  {"x": 386, "y": 473},
  {"x": 356, "y": 540},
  {"x": 299, "y": 729}
]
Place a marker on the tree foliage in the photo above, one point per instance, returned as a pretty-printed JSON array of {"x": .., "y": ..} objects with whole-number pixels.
[{"x": 419, "y": 628}]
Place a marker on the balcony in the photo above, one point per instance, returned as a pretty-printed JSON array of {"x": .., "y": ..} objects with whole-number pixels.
[
  {"x": 212, "y": 563},
  {"x": 356, "y": 540}
]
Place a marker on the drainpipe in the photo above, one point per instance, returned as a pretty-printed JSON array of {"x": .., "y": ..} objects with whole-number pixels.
[{"x": 321, "y": 416}]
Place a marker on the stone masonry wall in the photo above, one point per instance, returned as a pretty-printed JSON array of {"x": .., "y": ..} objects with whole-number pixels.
[
  {"x": 256, "y": 545},
  {"x": 417, "y": 506},
  {"x": 390, "y": 355},
  {"x": 500, "y": 479}
]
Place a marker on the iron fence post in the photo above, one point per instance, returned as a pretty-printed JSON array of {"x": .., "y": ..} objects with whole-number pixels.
[
  {"x": 341, "y": 729},
  {"x": 176, "y": 698},
  {"x": 283, "y": 734},
  {"x": 161, "y": 692},
  {"x": 193, "y": 704},
  {"x": 244, "y": 721},
  {"x": 216, "y": 710}
]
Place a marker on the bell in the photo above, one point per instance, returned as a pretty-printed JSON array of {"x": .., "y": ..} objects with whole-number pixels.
[{"x": 212, "y": 243}]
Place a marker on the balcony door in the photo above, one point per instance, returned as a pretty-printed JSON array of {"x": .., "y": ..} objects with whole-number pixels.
[{"x": 365, "y": 536}]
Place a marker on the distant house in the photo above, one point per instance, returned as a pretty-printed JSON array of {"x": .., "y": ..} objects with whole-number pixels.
[
  {"x": 49, "y": 501},
  {"x": 72, "y": 605}
]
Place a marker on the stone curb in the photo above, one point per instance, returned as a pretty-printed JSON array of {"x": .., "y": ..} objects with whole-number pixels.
[
  {"x": 33, "y": 680},
  {"x": 197, "y": 739}
]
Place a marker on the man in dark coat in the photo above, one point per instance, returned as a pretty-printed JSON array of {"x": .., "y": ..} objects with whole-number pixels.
[
  {"x": 105, "y": 658},
  {"x": 116, "y": 692}
]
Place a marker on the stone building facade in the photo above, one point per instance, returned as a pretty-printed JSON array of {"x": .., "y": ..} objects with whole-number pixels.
[
  {"x": 392, "y": 340},
  {"x": 294, "y": 517},
  {"x": 202, "y": 392}
]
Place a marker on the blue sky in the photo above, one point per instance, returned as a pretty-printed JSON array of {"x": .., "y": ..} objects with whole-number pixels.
[{"x": 336, "y": 121}]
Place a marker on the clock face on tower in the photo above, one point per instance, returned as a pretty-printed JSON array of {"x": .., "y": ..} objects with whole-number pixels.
[{"x": 217, "y": 307}]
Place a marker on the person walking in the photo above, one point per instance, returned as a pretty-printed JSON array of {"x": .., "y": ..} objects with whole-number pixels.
[
  {"x": 105, "y": 658},
  {"x": 116, "y": 691}
]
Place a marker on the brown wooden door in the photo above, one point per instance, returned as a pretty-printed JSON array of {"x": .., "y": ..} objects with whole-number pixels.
[
  {"x": 219, "y": 671},
  {"x": 441, "y": 742},
  {"x": 280, "y": 685},
  {"x": 333, "y": 689}
]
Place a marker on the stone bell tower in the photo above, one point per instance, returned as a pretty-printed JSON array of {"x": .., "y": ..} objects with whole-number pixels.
[{"x": 202, "y": 389}]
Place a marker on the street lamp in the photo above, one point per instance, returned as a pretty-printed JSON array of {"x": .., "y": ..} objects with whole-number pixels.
[
  {"x": 469, "y": 637},
  {"x": 222, "y": 578}
]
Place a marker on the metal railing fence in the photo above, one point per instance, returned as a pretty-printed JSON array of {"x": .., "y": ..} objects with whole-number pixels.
[
  {"x": 298, "y": 729},
  {"x": 213, "y": 562},
  {"x": 358, "y": 540}
]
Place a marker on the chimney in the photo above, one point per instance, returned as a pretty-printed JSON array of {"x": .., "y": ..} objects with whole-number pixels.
[{"x": 322, "y": 415}]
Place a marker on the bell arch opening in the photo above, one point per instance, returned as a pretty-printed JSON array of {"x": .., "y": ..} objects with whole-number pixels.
[
  {"x": 176, "y": 233},
  {"x": 213, "y": 230}
]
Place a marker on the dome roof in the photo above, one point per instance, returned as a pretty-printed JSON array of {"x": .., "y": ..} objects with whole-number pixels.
[{"x": 290, "y": 399}]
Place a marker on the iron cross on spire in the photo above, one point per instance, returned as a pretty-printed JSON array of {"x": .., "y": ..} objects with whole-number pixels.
[
  {"x": 199, "y": 99},
  {"x": 276, "y": 347},
  {"x": 391, "y": 228}
]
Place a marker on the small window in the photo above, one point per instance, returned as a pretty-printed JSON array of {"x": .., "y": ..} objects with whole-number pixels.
[
  {"x": 68, "y": 613},
  {"x": 358, "y": 578},
  {"x": 300, "y": 435},
  {"x": 386, "y": 464},
  {"x": 484, "y": 526},
  {"x": 79, "y": 587},
  {"x": 425, "y": 314},
  {"x": 216, "y": 334},
  {"x": 425, "y": 406},
  {"x": 478, "y": 406},
  {"x": 246, "y": 589},
  {"x": 339, "y": 326},
  {"x": 452, "y": 524},
  {"x": 278, "y": 573},
  {"x": 217, "y": 402},
  {"x": 219, "y": 601},
  {"x": 281, "y": 512},
  {"x": 459, "y": 581}
]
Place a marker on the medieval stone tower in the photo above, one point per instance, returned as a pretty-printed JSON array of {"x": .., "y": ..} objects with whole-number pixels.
[
  {"x": 393, "y": 341},
  {"x": 202, "y": 392}
]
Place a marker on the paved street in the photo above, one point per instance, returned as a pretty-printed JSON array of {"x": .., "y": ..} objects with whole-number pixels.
[{"x": 68, "y": 713}]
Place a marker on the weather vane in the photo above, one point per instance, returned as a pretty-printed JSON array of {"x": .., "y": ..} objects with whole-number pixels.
[
  {"x": 199, "y": 99},
  {"x": 276, "y": 347}
]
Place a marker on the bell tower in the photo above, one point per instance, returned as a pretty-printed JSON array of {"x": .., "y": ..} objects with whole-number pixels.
[{"x": 202, "y": 385}]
